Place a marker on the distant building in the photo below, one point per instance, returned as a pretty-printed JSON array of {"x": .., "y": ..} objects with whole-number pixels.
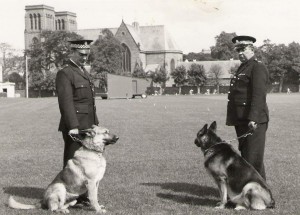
[
  {"x": 7, "y": 89},
  {"x": 206, "y": 51},
  {"x": 149, "y": 46},
  {"x": 225, "y": 66},
  {"x": 43, "y": 17}
]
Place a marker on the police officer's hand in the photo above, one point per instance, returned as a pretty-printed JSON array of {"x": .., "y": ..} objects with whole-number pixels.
[
  {"x": 252, "y": 125},
  {"x": 74, "y": 131}
]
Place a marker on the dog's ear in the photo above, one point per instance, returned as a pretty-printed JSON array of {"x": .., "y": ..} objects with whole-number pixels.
[
  {"x": 213, "y": 126},
  {"x": 203, "y": 130}
]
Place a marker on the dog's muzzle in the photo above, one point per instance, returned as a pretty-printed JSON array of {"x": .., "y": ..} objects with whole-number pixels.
[
  {"x": 111, "y": 140},
  {"x": 197, "y": 142}
]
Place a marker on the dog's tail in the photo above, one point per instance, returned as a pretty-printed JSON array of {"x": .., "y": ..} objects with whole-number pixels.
[{"x": 12, "y": 203}]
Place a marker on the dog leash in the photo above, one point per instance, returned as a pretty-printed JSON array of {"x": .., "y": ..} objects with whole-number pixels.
[
  {"x": 248, "y": 133},
  {"x": 75, "y": 139}
]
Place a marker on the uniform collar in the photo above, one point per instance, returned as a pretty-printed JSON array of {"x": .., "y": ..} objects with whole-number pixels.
[
  {"x": 80, "y": 70},
  {"x": 245, "y": 64},
  {"x": 250, "y": 60},
  {"x": 74, "y": 63}
]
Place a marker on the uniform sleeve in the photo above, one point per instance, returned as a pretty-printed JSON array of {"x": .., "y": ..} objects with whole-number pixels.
[
  {"x": 259, "y": 91},
  {"x": 65, "y": 100}
]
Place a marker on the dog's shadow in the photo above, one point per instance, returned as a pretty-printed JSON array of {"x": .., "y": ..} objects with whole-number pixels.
[
  {"x": 192, "y": 194},
  {"x": 27, "y": 192}
]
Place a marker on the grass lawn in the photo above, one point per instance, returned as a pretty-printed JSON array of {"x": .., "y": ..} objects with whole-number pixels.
[{"x": 155, "y": 168}]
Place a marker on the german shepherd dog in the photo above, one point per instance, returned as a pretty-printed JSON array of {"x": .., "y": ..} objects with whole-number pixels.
[
  {"x": 235, "y": 177},
  {"x": 82, "y": 174}
]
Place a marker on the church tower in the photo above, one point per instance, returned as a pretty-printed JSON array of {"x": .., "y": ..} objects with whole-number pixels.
[{"x": 42, "y": 17}]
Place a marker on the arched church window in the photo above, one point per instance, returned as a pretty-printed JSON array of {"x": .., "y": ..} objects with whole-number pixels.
[
  {"x": 31, "y": 21},
  {"x": 63, "y": 24},
  {"x": 172, "y": 65},
  {"x": 39, "y": 22},
  {"x": 59, "y": 24},
  {"x": 35, "y": 21},
  {"x": 55, "y": 24},
  {"x": 126, "y": 58}
]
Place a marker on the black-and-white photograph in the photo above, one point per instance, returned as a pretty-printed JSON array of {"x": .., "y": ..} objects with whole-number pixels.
[{"x": 149, "y": 107}]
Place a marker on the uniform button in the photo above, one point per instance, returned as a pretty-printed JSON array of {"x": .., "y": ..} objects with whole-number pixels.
[
  {"x": 238, "y": 78},
  {"x": 228, "y": 100},
  {"x": 244, "y": 103},
  {"x": 77, "y": 111},
  {"x": 231, "y": 84},
  {"x": 228, "y": 91}
]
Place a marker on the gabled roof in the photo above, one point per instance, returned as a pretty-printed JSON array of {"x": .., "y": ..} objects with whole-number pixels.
[
  {"x": 224, "y": 64},
  {"x": 135, "y": 35},
  {"x": 156, "y": 38},
  {"x": 150, "y": 38}
]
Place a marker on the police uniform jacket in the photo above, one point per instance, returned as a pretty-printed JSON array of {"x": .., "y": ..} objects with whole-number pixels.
[
  {"x": 247, "y": 94},
  {"x": 76, "y": 98}
]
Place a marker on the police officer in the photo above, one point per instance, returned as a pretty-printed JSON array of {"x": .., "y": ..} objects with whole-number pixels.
[
  {"x": 247, "y": 108},
  {"x": 76, "y": 97}
]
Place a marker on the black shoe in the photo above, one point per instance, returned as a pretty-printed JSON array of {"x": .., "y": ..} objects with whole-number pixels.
[
  {"x": 82, "y": 201},
  {"x": 230, "y": 204}
]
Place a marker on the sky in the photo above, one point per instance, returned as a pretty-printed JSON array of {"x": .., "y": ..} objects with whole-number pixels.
[{"x": 193, "y": 24}]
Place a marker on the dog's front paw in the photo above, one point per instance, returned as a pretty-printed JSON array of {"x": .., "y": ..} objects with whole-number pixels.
[
  {"x": 239, "y": 207},
  {"x": 220, "y": 205},
  {"x": 101, "y": 209},
  {"x": 64, "y": 211}
]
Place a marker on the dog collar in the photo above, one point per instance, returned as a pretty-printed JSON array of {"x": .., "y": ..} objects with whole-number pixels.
[{"x": 209, "y": 150}]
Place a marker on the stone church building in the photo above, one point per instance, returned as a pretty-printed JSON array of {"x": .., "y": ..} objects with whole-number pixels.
[{"x": 149, "y": 46}]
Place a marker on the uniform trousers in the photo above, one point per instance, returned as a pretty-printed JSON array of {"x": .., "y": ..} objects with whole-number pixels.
[
  {"x": 70, "y": 147},
  {"x": 252, "y": 147}
]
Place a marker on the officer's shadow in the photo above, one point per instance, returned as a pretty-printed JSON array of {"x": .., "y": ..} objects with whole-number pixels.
[{"x": 197, "y": 194}]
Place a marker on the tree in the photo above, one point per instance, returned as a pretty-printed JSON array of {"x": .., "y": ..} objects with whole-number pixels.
[
  {"x": 277, "y": 61},
  {"x": 160, "y": 76},
  {"x": 17, "y": 79},
  {"x": 138, "y": 71},
  {"x": 11, "y": 62},
  {"x": 47, "y": 56},
  {"x": 224, "y": 48},
  {"x": 4, "y": 48},
  {"x": 106, "y": 54},
  {"x": 215, "y": 73},
  {"x": 106, "y": 57},
  {"x": 294, "y": 57},
  {"x": 49, "y": 81},
  {"x": 196, "y": 76},
  {"x": 180, "y": 76}
]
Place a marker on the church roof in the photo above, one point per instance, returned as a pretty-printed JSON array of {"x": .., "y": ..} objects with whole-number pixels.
[
  {"x": 155, "y": 38},
  {"x": 136, "y": 35},
  {"x": 150, "y": 38}
]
